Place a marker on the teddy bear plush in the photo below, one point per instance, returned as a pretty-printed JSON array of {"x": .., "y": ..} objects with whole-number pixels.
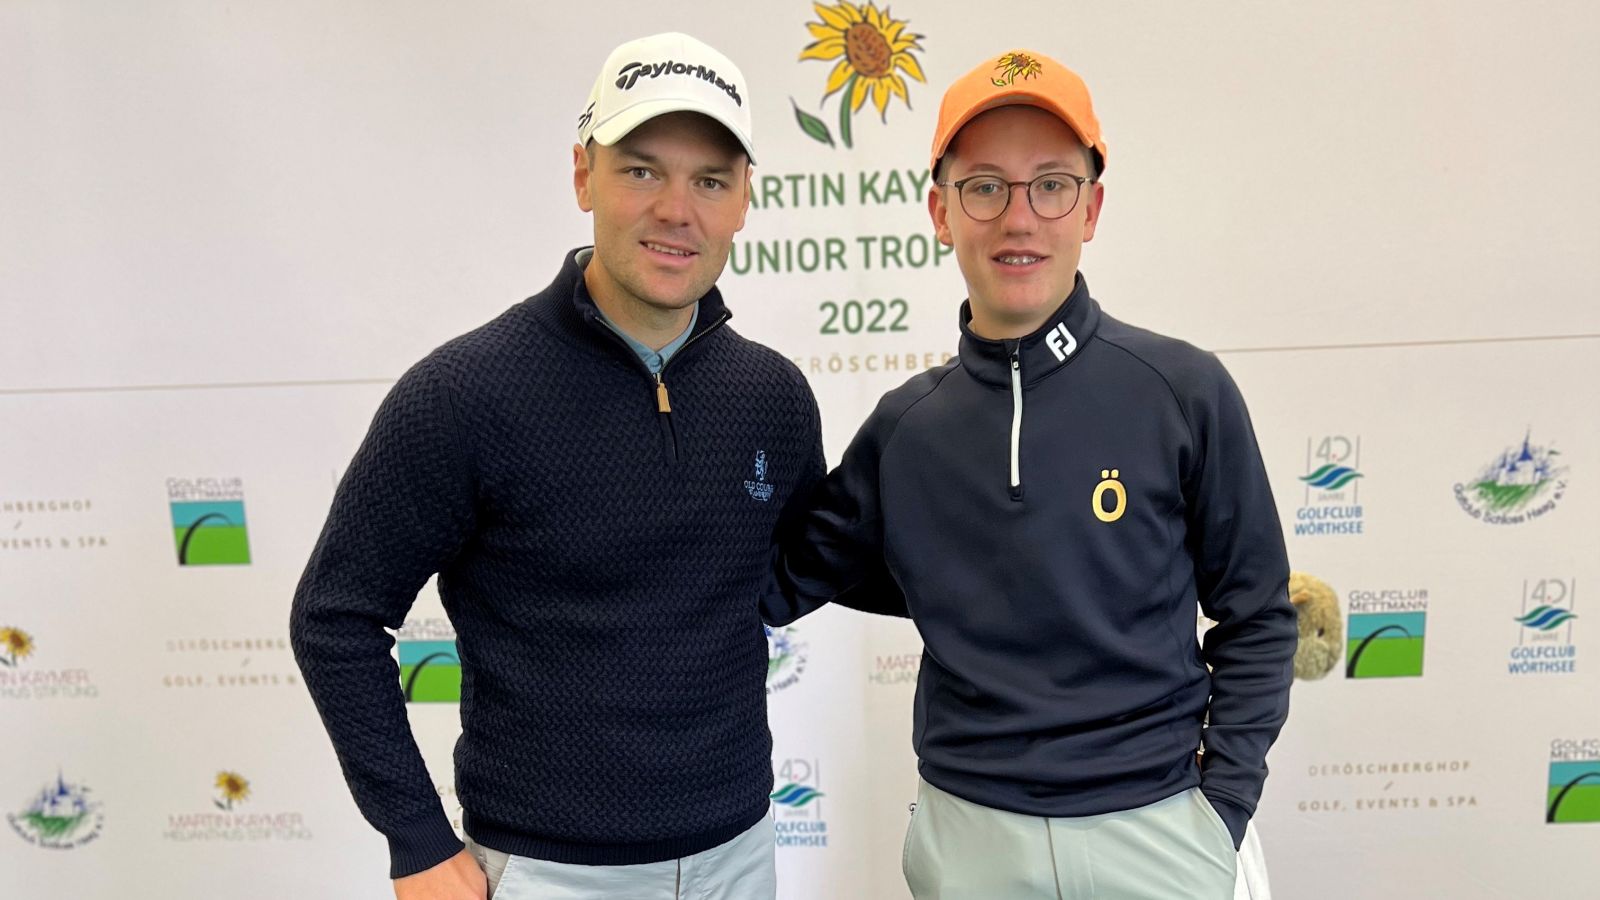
[{"x": 1321, "y": 629}]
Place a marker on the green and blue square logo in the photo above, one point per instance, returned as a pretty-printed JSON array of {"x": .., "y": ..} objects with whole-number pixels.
[
  {"x": 430, "y": 671},
  {"x": 1573, "y": 792},
  {"x": 1385, "y": 644},
  {"x": 208, "y": 521},
  {"x": 430, "y": 664}
]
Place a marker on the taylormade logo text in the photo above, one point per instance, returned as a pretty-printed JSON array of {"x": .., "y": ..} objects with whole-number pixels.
[{"x": 632, "y": 72}]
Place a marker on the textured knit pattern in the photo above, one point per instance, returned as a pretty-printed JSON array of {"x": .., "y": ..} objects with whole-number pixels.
[{"x": 601, "y": 562}]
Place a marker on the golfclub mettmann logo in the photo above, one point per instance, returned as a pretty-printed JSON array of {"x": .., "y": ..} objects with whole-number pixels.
[
  {"x": 786, "y": 658},
  {"x": 208, "y": 521},
  {"x": 430, "y": 666},
  {"x": 1386, "y": 633},
  {"x": 760, "y": 489},
  {"x": 797, "y": 804},
  {"x": 1545, "y": 622},
  {"x": 629, "y": 75},
  {"x": 1332, "y": 503},
  {"x": 229, "y": 822},
  {"x": 1522, "y": 483},
  {"x": 1573, "y": 794},
  {"x": 61, "y": 817}
]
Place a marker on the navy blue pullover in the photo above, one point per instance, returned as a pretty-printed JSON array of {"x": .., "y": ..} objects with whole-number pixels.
[
  {"x": 601, "y": 543},
  {"x": 1048, "y": 511}
]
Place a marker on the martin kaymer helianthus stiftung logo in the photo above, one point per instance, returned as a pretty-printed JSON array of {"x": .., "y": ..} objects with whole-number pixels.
[
  {"x": 15, "y": 646},
  {"x": 231, "y": 788},
  {"x": 23, "y": 679},
  {"x": 872, "y": 55},
  {"x": 1014, "y": 65},
  {"x": 231, "y": 791}
]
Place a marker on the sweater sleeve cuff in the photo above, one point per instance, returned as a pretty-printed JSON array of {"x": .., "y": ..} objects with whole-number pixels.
[
  {"x": 422, "y": 845},
  {"x": 1236, "y": 817}
]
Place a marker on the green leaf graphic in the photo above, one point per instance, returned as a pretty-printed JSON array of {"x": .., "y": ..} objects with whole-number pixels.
[{"x": 811, "y": 125}]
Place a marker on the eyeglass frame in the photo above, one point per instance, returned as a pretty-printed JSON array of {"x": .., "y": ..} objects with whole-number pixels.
[{"x": 1011, "y": 188}]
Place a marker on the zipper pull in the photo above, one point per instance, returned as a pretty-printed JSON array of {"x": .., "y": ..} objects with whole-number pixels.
[{"x": 663, "y": 403}]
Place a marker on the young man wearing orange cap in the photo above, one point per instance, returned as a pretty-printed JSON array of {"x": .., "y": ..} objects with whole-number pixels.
[
  {"x": 605, "y": 457},
  {"x": 1051, "y": 508}
]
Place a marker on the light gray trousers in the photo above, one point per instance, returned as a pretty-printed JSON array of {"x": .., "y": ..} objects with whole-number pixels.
[{"x": 1174, "y": 848}]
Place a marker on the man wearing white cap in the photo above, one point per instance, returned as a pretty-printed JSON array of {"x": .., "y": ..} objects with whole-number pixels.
[{"x": 596, "y": 477}]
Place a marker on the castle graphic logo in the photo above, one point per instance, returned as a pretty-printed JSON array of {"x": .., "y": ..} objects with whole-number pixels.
[
  {"x": 1521, "y": 484},
  {"x": 786, "y": 658},
  {"x": 61, "y": 817}
]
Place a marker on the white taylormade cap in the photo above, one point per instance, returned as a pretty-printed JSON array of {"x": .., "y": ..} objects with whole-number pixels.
[{"x": 660, "y": 74}]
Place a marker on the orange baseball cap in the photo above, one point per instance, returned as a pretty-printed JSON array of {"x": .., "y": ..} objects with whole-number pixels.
[{"x": 1018, "y": 78}]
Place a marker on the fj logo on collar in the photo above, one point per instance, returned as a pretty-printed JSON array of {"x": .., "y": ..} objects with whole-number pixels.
[
  {"x": 760, "y": 489},
  {"x": 1061, "y": 342},
  {"x": 1119, "y": 496}
]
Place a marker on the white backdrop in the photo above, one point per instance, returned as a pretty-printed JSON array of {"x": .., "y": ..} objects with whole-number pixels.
[{"x": 226, "y": 228}]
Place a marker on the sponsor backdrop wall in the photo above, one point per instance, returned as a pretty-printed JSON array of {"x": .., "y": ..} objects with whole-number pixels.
[{"x": 226, "y": 228}]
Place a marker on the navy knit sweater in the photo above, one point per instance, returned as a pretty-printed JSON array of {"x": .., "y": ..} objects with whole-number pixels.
[{"x": 601, "y": 543}]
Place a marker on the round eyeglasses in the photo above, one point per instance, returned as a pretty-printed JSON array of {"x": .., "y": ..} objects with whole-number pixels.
[{"x": 1051, "y": 195}]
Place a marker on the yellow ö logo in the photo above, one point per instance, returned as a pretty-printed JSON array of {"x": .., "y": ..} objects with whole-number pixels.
[{"x": 1109, "y": 485}]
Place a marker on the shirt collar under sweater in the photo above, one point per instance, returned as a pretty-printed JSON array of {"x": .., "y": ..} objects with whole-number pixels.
[
  {"x": 567, "y": 307},
  {"x": 1051, "y": 347}
]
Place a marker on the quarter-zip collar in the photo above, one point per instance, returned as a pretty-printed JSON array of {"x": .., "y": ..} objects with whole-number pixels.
[
  {"x": 1054, "y": 345},
  {"x": 572, "y": 311}
]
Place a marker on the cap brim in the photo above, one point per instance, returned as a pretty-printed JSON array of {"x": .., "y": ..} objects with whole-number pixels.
[{"x": 618, "y": 126}]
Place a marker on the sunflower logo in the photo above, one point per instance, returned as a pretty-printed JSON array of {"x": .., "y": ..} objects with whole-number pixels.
[
  {"x": 1015, "y": 65},
  {"x": 235, "y": 788},
  {"x": 16, "y": 643},
  {"x": 873, "y": 49}
]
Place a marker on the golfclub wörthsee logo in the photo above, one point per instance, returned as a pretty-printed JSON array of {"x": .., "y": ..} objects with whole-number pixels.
[
  {"x": 1332, "y": 502},
  {"x": 797, "y": 804},
  {"x": 1546, "y": 619}
]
